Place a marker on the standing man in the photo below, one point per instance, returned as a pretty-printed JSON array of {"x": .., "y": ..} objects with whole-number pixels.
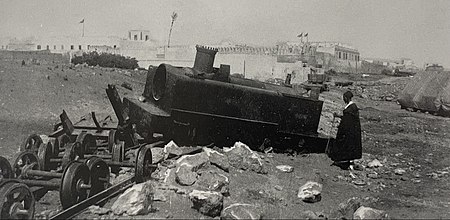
[{"x": 347, "y": 146}]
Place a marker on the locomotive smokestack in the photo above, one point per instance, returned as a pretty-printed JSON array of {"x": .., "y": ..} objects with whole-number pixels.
[{"x": 204, "y": 59}]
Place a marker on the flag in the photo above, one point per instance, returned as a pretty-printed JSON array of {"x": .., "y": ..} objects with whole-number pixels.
[
  {"x": 82, "y": 21},
  {"x": 300, "y": 35},
  {"x": 306, "y": 35}
]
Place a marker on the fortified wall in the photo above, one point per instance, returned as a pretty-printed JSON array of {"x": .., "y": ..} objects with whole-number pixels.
[{"x": 43, "y": 57}]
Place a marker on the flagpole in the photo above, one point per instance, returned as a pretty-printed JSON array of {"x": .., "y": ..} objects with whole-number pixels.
[{"x": 83, "y": 29}]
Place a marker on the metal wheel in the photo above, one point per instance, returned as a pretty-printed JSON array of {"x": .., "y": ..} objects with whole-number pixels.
[
  {"x": 45, "y": 153},
  {"x": 73, "y": 190},
  {"x": 88, "y": 143},
  {"x": 6, "y": 171},
  {"x": 143, "y": 166},
  {"x": 113, "y": 138},
  {"x": 99, "y": 171},
  {"x": 32, "y": 143},
  {"x": 73, "y": 152},
  {"x": 17, "y": 201},
  {"x": 22, "y": 160}
]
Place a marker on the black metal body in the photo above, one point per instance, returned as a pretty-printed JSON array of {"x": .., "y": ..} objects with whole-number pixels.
[{"x": 189, "y": 106}]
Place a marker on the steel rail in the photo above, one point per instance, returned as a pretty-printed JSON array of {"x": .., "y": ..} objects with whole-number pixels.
[{"x": 112, "y": 191}]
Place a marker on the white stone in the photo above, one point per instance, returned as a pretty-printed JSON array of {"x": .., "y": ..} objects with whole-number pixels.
[
  {"x": 374, "y": 163},
  {"x": 241, "y": 211},
  {"x": 136, "y": 200},
  {"x": 310, "y": 192},
  {"x": 206, "y": 202},
  {"x": 285, "y": 168},
  {"x": 369, "y": 213},
  {"x": 399, "y": 171}
]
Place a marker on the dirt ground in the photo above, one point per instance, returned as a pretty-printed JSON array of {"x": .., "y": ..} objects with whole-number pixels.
[{"x": 32, "y": 97}]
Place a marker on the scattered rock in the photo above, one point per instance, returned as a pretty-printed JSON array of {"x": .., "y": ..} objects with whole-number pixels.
[
  {"x": 374, "y": 163},
  {"x": 242, "y": 157},
  {"x": 310, "y": 192},
  {"x": 185, "y": 176},
  {"x": 241, "y": 211},
  {"x": 373, "y": 175},
  {"x": 369, "y": 213},
  {"x": 206, "y": 202},
  {"x": 172, "y": 150},
  {"x": 157, "y": 155},
  {"x": 127, "y": 86},
  {"x": 312, "y": 215},
  {"x": 159, "y": 195},
  {"x": 346, "y": 209},
  {"x": 285, "y": 168},
  {"x": 359, "y": 182},
  {"x": 217, "y": 159},
  {"x": 277, "y": 187},
  {"x": 399, "y": 171},
  {"x": 196, "y": 161},
  {"x": 135, "y": 200},
  {"x": 213, "y": 181},
  {"x": 97, "y": 210}
]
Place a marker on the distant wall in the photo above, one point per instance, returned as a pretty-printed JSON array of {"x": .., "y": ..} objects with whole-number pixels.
[
  {"x": 39, "y": 56},
  {"x": 372, "y": 68}
]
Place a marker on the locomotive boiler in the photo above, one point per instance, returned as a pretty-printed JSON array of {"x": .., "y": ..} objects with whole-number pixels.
[{"x": 204, "y": 105}]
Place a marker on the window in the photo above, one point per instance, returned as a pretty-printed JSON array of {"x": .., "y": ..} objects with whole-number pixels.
[
  {"x": 88, "y": 46},
  {"x": 141, "y": 35},
  {"x": 129, "y": 35},
  {"x": 339, "y": 56},
  {"x": 135, "y": 37},
  {"x": 38, "y": 47},
  {"x": 62, "y": 47},
  {"x": 54, "y": 47},
  {"x": 71, "y": 47},
  {"x": 115, "y": 46},
  {"x": 146, "y": 38},
  {"x": 48, "y": 47},
  {"x": 79, "y": 47}
]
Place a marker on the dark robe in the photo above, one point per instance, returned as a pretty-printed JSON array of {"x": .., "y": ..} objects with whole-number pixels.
[{"x": 347, "y": 145}]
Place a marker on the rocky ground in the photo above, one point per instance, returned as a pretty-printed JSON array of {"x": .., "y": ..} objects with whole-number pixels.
[{"x": 404, "y": 171}]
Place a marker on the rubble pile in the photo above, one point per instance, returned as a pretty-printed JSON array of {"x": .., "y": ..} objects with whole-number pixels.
[{"x": 378, "y": 90}]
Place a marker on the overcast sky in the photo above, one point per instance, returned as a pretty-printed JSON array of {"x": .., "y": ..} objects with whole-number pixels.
[{"x": 418, "y": 29}]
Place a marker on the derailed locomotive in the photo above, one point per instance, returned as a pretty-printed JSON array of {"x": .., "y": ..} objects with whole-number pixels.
[{"x": 204, "y": 105}]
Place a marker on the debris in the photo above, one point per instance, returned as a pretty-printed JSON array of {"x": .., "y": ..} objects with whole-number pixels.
[
  {"x": 206, "y": 202},
  {"x": 312, "y": 215},
  {"x": 242, "y": 157},
  {"x": 277, "y": 187},
  {"x": 127, "y": 86},
  {"x": 346, "y": 209},
  {"x": 359, "y": 182},
  {"x": 373, "y": 175},
  {"x": 135, "y": 200},
  {"x": 141, "y": 98},
  {"x": 97, "y": 210},
  {"x": 369, "y": 213},
  {"x": 159, "y": 195},
  {"x": 310, "y": 192},
  {"x": 285, "y": 168},
  {"x": 374, "y": 163},
  {"x": 213, "y": 181},
  {"x": 241, "y": 211},
  {"x": 218, "y": 159},
  {"x": 185, "y": 176},
  {"x": 196, "y": 161},
  {"x": 157, "y": 155},
  {"x": 399, "y": 171}
]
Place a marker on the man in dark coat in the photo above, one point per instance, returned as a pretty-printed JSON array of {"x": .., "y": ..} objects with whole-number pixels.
[{"x": 347, "y": 146}]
